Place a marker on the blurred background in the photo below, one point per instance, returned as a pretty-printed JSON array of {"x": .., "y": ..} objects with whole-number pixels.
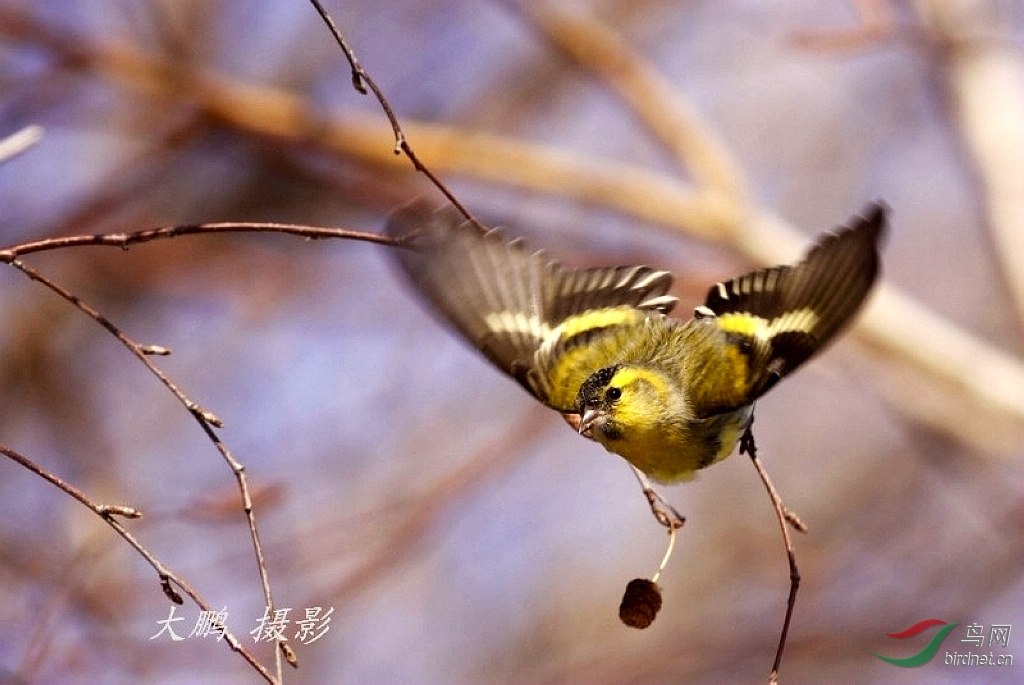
[{"x": 461, "y": 533}]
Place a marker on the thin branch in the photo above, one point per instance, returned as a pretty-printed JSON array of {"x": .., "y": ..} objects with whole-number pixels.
[
  {"x": 786, "y": 519},
  {"x": 206, "y": 419},
  {"x": 360, "y": 81},
  {"x": 140, "y": 351},
  {"x": 168, "y": 578},
  {"x": 126, "y": 240}
]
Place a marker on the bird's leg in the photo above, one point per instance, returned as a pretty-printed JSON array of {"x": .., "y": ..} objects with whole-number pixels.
[
  {"x": 747, "y": 446},
  {"x": 665, "y": 513}
]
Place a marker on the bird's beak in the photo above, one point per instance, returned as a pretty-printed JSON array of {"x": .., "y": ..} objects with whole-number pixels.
[{"x": 588, "y": 420}]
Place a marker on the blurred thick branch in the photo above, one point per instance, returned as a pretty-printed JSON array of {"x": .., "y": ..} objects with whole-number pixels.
[
  {"x": 984, "y": 72},
  {"x": 16, "y": 143}
]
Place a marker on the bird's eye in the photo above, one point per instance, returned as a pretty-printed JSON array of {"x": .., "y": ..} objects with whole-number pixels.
[{"x": 614, "y": 393}]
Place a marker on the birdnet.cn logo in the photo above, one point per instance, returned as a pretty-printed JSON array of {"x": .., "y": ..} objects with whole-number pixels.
[{"x": 998, "y": 640}]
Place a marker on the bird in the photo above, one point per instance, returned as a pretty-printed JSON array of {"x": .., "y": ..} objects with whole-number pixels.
[{"x": 599, "y": 346}]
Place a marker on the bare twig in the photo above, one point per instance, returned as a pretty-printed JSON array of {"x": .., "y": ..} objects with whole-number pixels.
[
  {"x": 206, "y": 419},
  {"x": 786, "y": 519},
  {"x": 126, "y": 240},
  {"x": 361, "y": 80},
  {"x": 168, "y": 578}
]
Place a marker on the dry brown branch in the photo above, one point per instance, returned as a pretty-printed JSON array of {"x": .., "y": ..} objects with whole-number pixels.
[
  {"x": 207, "y": 421},
  {"x": 361, "y": 81},
  {"x": 127, "y": 239},
  {"x": 168, "y": 579}
]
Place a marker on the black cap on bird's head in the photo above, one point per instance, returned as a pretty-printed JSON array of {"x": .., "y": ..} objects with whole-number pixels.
[{"x": 594, "y": 400}]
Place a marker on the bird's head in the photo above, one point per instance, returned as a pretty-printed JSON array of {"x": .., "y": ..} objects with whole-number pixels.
[{"x": 622, "y": 402}]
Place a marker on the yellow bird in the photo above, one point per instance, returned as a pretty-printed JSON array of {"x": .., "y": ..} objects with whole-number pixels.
[{"x": 670, "y": 396}]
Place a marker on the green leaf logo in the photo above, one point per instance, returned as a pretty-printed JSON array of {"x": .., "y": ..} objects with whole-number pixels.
[{"x": 926, "y": 654}]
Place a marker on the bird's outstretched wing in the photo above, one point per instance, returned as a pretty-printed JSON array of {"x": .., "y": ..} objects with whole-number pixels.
[
  {"x": 510, "y": 302},
  {"x": 780, "y": 317}
]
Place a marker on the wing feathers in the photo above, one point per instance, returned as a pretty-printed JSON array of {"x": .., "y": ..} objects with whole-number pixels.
[
  {"x": 788, "y": 313},
  {"x": 504, "y": 298}
]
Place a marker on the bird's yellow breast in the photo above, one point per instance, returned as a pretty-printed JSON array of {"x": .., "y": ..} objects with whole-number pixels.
[{"x": 670, "y": 451}]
